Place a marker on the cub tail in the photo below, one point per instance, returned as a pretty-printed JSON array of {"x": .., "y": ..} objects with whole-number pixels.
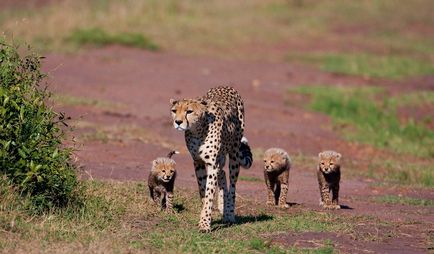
[
  {"x": 171, "y": 153},
  {"x": 246, "y": 157}
]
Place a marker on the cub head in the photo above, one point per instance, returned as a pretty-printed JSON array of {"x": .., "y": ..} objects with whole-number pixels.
[
  {"x": 275, "y": 159},
  {"x": 186, "y": 113},
  {"x": 329, "y": 161},
  {"x": 164, "y": 168}
]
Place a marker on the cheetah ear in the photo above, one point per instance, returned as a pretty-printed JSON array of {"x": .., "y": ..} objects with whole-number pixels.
[
  {"x": 173, "y": 101},
  {"x": 320, "y": 154},
  {"x": 339, "y": 156},
  {"x": 203, "y": 102},
  {"x": 154, "y": 163}
]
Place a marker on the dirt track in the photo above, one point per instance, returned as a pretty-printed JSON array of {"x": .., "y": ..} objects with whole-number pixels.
[{"x": 138, "y": 85}]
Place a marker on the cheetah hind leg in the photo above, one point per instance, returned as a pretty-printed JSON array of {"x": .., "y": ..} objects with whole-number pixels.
[
  {"x": 222, "y": 185},
  {"x": 223, "y": 191},
  {"x": 229, "y": 211}
]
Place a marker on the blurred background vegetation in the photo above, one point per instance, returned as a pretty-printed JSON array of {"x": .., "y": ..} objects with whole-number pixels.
[{"x": 319, "y": 31}]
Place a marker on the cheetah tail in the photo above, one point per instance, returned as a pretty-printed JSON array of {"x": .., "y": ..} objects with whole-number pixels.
[
  {"x": 246, "y": 158},
  {"x": 169, "y": 155}
]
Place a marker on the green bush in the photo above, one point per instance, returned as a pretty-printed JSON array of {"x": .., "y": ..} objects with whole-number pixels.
[{"x": 31, "y": 152}]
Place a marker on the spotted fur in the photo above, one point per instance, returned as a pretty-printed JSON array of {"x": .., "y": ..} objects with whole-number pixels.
[
  {"x": 276, "y": 173},
  {"x": 214, "y": 126},
  {"x": 329, "y": 175},
  {"x": 161, "y": 181}
]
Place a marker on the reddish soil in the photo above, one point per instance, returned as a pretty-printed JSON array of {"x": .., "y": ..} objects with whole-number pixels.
[{"x": 139, "y": 84}]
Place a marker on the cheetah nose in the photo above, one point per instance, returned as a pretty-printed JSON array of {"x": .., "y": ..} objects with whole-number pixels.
[{"x": 178, "y": 122}]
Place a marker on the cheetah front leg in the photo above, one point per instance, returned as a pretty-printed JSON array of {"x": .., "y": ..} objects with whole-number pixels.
[
  {"x": 270, "y": 189},
  {"x": 200, "y": 172},
  {"x": 152, "y": 194},
  {"x": 169, "y": 202},
  {"x": 284, "y": 179},
  {"x": 211, "y": 184},
  {"x": 335, "y": 199},
  {"x": 229, "y": 214},
  {"x": 283, "y": 195},
  {"x": 325, "y": 196}
]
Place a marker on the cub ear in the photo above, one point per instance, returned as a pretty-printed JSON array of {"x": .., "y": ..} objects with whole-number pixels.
[
  {"x": 173, "y": 101},
  {"x": 338, "y": 155},
  {"x": 203, "y": 102},
  {"x": 320, "y": 154}
]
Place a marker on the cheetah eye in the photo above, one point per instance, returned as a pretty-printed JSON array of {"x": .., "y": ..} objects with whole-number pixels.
[
  {"x": 173, "y": 110},
  {"x": 189, "y": 111},
  {"x": 322, "y": 163},
  {"x": 272, "y": 161},
  {"x": 265, "y": 161},
  {"x": 331, "y": 163}
]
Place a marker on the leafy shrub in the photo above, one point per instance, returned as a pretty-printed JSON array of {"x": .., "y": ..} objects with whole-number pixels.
[{"x": 31, "y": 151}]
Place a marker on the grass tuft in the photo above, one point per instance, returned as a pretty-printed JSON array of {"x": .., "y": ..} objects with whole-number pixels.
[
  {"x": 249, "y": 179},
  {"x": 99, "y": 37},
  {"x": 392, "y": 199},
  {"x": 368, "y": 65}
]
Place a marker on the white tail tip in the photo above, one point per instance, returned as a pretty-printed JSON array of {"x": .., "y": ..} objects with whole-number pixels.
[{"x": 244, "y": 140}]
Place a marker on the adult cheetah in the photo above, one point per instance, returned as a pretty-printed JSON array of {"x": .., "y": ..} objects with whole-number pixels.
[{"x": 214, "y": 126}]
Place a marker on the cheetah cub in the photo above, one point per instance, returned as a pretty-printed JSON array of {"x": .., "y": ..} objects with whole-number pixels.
[
  {"x": 329, "y": 175},
  {"x": 276, "y": 173},
  {"x": 161, "y": 181}
]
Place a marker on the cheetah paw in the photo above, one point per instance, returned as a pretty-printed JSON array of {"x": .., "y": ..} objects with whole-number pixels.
[
  {"x": 332, "y": 207},
  {"x": 285, "y": 205},
  {"x": 270, "y": 203},
  {"x": 229, "y": 219},
  {"x": 204, "y": 228}
]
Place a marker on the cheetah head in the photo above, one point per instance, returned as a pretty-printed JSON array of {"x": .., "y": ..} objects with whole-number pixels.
[
  {"x": 329, "y": 161},
  {"x": 164, "y": 168},
  {"x": 275, "y": 159},
  {"x": 186, "y": 113}
]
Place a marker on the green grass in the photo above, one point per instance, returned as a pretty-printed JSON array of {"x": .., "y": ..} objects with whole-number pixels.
[
  {"x": 68, "y": 100},
  {"x": 392, "y": 199},
  {"x": 249, "y": 179},
  {"x": 369, "y": 65},
  {"x": 361, "y": 115},
  {"x": 99, "y": 37},
  {"x": 417, "y": 98}
]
